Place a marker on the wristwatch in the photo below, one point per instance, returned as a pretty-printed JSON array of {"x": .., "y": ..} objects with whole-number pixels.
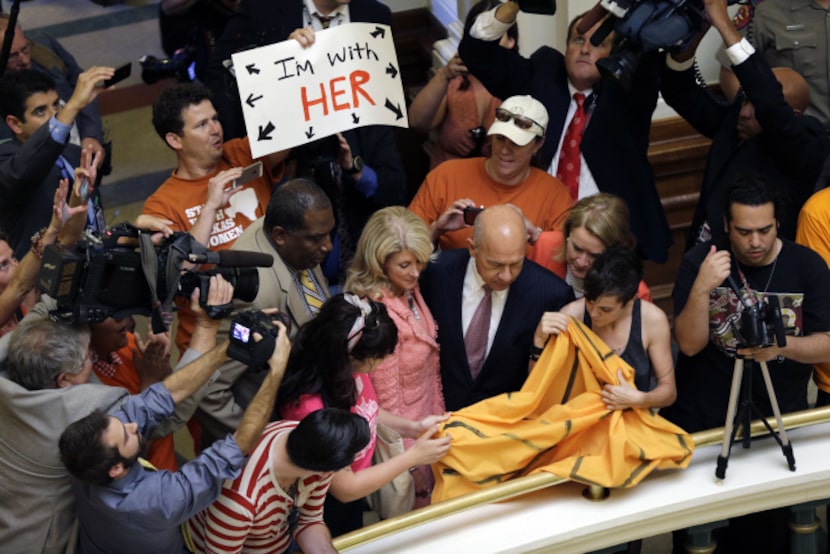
[{"x": 357, "y": 166}]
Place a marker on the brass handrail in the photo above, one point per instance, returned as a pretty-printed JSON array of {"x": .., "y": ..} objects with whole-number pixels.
[{"x": 524, "y": 485}]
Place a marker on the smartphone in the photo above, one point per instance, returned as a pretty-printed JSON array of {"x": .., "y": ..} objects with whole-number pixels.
[
  {"x": 546, "y": 7},
  {"x": 253, "y": 171},
  {"x": 471, "y": 213},
  {"x": 121, "y": 73}
]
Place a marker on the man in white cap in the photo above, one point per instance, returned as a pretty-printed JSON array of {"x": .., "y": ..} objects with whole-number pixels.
[{"x": 506, "y": 177}]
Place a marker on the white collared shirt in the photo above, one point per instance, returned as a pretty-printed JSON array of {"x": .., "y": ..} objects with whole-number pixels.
[
  {"x": 487, "y": 27},
  {"x": 340, "y": 15},
  {"x": 471, "y": 295}
]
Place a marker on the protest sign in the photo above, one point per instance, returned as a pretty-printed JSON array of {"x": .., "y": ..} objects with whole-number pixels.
[{"x": 293, "y": 95}]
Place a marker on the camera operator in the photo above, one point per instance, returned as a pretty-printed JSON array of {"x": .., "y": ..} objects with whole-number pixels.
[
  {"x": 117, "y": 496},
  {"x": 49, "y": 385},
  {"x": 606, "y": 127},
  {"x": 762, "y": 264},
  {"x": 763, "y": 129}
]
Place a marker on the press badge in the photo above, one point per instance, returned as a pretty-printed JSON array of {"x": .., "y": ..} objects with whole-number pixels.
[{"x": 799, "y": 27}]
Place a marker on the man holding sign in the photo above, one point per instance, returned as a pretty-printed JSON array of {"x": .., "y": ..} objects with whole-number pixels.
[{"x": 364, "y": 170}]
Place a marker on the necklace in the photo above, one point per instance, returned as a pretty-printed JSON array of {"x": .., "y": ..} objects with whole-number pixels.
[
  {"x": 413, "y": 306},
  {"x": 769, "y": 278},
  {"x": 576, "y": 284}
]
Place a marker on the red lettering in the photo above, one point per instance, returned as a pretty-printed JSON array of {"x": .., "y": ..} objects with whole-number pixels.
[
  {"x": 358, "y": 78},
  {"x": 308, "y": 103},
  {"x": 335, "y": 93}
]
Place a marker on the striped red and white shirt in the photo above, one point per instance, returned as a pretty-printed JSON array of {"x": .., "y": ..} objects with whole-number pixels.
[{"x": 251, "y": 513}]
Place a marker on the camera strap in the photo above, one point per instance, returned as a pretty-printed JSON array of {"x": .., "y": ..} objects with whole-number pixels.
[{"x": 162, "y": 313}]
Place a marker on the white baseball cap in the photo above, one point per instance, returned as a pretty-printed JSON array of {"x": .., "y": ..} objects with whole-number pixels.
[{"x": 521, "y": 119}]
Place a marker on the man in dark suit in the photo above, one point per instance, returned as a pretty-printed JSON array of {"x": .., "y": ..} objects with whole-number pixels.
[
  {"x": 613, "y": 150},
  {"x": 33, "y": 163},
  {"x": 520, "y": 291},
  {"x": 761, "y": 131}
]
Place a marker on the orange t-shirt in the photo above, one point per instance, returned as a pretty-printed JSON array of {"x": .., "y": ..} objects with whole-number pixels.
[
  {"x": 543, "y": 199},
  {"x": 160, "y": 452},
  {"x": 181, "y": 200}
]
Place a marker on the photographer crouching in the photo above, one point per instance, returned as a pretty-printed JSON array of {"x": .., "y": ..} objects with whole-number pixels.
[{"x": 709, "y": 332}]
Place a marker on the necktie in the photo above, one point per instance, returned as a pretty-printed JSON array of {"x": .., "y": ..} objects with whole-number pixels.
[
  {"x": 475, "y": 341},
  {"x": 313, "y": 297},
  {"x": 569, "y": 161},
  {"x": 324, "y": 21}
]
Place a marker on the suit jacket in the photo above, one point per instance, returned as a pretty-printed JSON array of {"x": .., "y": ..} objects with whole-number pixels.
[
  {"x": 222, "y": 412},
  {"x": 789, "y": 152},
  {"x": 615, "y": 142},
  {"x": 534, "y": 292},
  {"x": 38, "y": 508},
  {"x": 28, "y": 179},
  {"x": 261, "y": 22}
]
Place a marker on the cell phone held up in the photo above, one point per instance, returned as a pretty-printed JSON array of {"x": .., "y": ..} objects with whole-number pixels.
[
  {"x": 253, "y": 171},
  {"x": 471, "y": 213},
  {"x": 120, "y": 74}
]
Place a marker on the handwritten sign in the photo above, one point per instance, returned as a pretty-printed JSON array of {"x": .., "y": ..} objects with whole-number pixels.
[{"x": 293, "y": 95}]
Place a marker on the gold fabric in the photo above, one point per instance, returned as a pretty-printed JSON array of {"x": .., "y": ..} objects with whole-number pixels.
[{"x": 558, "y": 423}]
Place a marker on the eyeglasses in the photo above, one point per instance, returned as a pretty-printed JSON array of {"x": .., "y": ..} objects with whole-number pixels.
[
  {"x": 25, "y": 51},
  {"x": 519, "y": 121}
]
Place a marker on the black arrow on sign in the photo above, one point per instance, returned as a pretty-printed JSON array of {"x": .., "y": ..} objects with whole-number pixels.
[
  {"x": 355, "y": 119},
  {"x": 378, "y": 32},
  {"x": 252, "y": 70},
  {"x": 393, "y": 108},
  {"x": 264, "y": 134},
  {"x": 391, "y": 70},
  {"x": 310, "y": 132},
  {"x": 250, "y": 101}
]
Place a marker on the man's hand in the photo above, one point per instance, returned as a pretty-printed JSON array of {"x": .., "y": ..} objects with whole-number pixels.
[
  {"x": 93, "y": 148},
  {"x": 87, "y": 89},
  {"x": 346, "y": 158},
  {"x": 282, "y": 347},
  {"x": 452, "y": 219},
  {"x": 551, "y": 323},
  {"x": 220, "y": 188},
  {"x": 304, "y": 35},
  {"x": 720, "y": 20},
  {"x": 507, "y": 12},
  {"x": 454, "y": 68},
  {"x": 220, "y": 292},
  {"x": 713, "y": 271},
  {"x": 157, "y": 225},
  {"x": 152, "y": 359}
]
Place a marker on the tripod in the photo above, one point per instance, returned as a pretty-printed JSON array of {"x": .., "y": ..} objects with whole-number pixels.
[{"x": 741, "y": 416}]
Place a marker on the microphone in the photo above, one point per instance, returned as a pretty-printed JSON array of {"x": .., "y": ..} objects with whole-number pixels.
[{"x": 232, "y": 258}]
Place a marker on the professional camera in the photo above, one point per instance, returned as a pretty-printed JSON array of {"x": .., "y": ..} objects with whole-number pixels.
[
  {"x": 244, "y": 348},
  {"x": 179, "y": 66},
  {"x": 643, "y": 26},
  {"x": 102, "y": 277},
  {"x": 760, "y": 323}
]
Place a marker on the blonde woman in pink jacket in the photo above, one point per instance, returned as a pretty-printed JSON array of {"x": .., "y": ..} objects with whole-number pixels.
[{"x": 391, "y": 253}]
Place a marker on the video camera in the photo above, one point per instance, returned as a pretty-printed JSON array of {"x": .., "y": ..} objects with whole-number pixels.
[
  {"x": 760, "y": 323},
  {"x": 102, "y": 277},
  {"x": 642, "y": 25},
  {"x": 180, "y": 66},
  {"x": 244, "y": 348}
]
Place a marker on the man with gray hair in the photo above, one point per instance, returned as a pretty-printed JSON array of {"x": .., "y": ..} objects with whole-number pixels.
[{"x": 47, "y": 388}]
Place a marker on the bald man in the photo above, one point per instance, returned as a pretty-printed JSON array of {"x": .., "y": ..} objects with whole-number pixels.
[
  {"x": 487, "y": 299},
  {"x": 762, "y": 130}
]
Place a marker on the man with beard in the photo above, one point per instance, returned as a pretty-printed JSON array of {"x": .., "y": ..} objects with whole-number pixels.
[{"x": 118, "y": 497}]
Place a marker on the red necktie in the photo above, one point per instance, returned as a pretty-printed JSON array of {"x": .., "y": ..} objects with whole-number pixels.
[
  {"x": 475, "y": 341},
  {"x": 569, "y": 161}
]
